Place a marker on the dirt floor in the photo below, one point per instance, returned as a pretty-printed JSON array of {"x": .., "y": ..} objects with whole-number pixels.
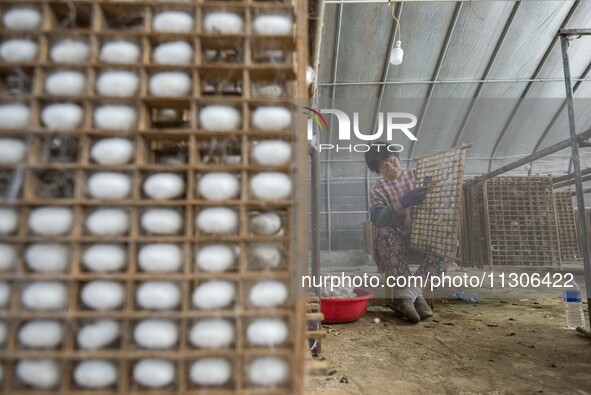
[{"x": 497, "y": 346}]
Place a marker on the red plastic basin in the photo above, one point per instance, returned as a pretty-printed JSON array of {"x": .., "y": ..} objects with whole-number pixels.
[{"x": 340, "y": 310}]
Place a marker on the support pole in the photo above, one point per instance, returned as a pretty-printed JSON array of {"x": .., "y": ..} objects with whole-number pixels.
[{"x": 315, "y": 212}]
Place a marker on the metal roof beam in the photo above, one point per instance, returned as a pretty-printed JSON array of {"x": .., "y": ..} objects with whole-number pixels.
[{"x": 442, "y": 82}]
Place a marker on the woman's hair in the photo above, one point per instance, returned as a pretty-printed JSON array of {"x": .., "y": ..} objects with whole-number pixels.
[{"x": 376, "y": 154}]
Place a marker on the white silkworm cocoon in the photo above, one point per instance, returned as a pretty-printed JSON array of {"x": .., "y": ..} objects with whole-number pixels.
[
  {"x": 212, "y": 333},
  {"x": 272, "y": 152},
  {"x": 98, "y": 334},
  {"x": 270, "y": 186},
  {"x": 156, "y": 334},
  {"x": 108, "y": 222},
  {"x": 266, "y": 255},
  {"x": 164, "y": 186},
  {"x": 14, "y": 116},
  {"x": 268, "y": 332},
  {"x": 70, "y": 51},
  {"x": 215, "y": 294},
  {"x": 66, "y": 116},
  {"x": 119, "y": 51},
  {"x": 162, "y": 221},
  {"x": 160, "y": 258},
  {"x": 7, "y": 256},
  {"x": 4, "y": 294},
  {"x": 173, "y": 21},
  {"x": 112, "y": 151},
  {"x": 273, "y": 25},
  {"x": 8, "y": 221},
  {"x": 67, "y": 83},
  {"x": 115, "y": 117},
  {"x": 44, "y": 296},
  {"x": 211, "y": 371},
  {"x": 268, "y": 90},
  {"x": 159, "y": 295},
  {"x": 18, "y": 50},
  {"x": 2, "y": 333},
  {"x": 51, "y": 221},
  {"x": 218, "y": 186},
  {"x": 271, "y": 118},
  {"x": 109, "y": 185},
  {"x": 47, "y": 257},
  {"x": 117, "y": 83},
  {"x": 12, "y": 151},
  {"x": 38, "y": 373},
  {"x": 175, "y": 52},
  {"x": 268, "y": 371},
  {"x": 170, "y": 83},
  {"x": 41, "y": 334},
  {"x": 220, "y": 118},
  {"x": 154, "y": 373},
  {"x": 95, "y": 373},
  {"x": 218, "y": 220},
  {"x": 102, "y": 295},
  {"x": 265, "y": 224},
  {"x": 310, "y": 75},
  {"x": 21, "y": 18},
  {"x": 104, "y": 257},
  {"x": 215, "y": 258},
  {"x": 223, "y": 22},
  {"x": 269, "y": 293}
]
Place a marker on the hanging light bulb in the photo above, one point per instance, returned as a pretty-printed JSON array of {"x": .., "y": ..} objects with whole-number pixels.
[{"x": 396, "y": 54}]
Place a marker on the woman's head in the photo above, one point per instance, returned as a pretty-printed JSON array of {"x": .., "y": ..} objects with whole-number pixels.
[{"x": 381, "y": 161}]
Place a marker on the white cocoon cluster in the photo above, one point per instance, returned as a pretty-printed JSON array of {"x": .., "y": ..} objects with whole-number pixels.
[
  {"x": 265, "y": 224},
  {"x": 173, "y": 21},
  {"x": 12, "y": 151},
  {"x": 270, "y": 186},
  {"x": 38, "y": 373},
  {"x": 271, "y": 118},
  {"x": 108, "y": 222},
  {"x": 157, "y": 334},
  {"x": 51, "y": 221},
  {"x": 269, "y": 293},
  {"x": 64, "y": 116},
  {"x": 7, "y": 256},
  {"x": 2, "y": 333},
  {"x": 115, "y": 117},
  {"x": 4, "y": 294},
  {"x": 108, "y": 185},
  {"x": 266, "y": 255},
  {"x": 70, "y": 51},
  {"x": 22, "y": 19},
  {"x": 41, "y": 334},
  {"x": 267, "y": 332},
  {"x": 117, "y": 83},
  {"x": 274, "y": 25},
  {"x": 163, "y": 221},
  {"x": 219, "y": 220},
  {"x": 8, "y": 221},
  {"x": 14, "y": 116},
  {"x": 154, "y": 373},
  {"x": 272, "y": 152},
  {"x": 164, "y": 186},
  {"x": 215, "y": 294},
  {"x": 98, "y": 334},
  {"x": 174, "y": 52},
  {"x": 102, "y": 295},
  {"x": 68, "y": 83},
  {"x": 112, "y": 151},
  {"x": 44, "y": 296},
  {"x": 170, "y": 83},
  {"x": 215, "y": 258},
  {"x": 211, "y": 371},
  {"x": 18, "y": 50},
  {"x": 104, "y": 257},
  {"x": 212, "y": 333},
  {"x": 159, "y": 295},
  {"x": 95, "y": 373},
  {"x": 220, "y": 118},
  {"x": 223, "y": 22},
  {"x": 120, "y": 51},
  {"x": 218, "y": 186},
  {"x": 268, "y": 371},
  {"x": 48, "y": 257},
  {"x": 160, "y": 257}
]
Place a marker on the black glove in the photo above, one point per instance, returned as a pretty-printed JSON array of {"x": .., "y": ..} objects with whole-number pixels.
[{"x": 414, "y": 197}]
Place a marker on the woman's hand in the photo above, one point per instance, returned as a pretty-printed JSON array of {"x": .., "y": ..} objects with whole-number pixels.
[{"x": 414, "y": 197}]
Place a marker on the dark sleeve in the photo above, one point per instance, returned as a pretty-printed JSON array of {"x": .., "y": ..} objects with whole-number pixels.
[{"x": 382, "y": 216}]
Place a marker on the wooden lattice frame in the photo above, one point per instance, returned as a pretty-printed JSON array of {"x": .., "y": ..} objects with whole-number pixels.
[
  {"x": 567, "y": 229},
  {"x": 474, "y": 232}
]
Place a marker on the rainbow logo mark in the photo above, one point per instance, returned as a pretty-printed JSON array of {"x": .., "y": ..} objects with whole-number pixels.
[{"x": 317, "y": 117}]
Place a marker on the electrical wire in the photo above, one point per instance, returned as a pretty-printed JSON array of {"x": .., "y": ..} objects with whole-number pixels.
[{"x": 390, "y": 4}]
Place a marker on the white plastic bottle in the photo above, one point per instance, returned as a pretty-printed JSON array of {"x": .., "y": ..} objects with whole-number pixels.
[{"x": 572, "y": 303}]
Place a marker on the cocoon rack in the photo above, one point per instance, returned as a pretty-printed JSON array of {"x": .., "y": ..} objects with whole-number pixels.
[
  {"x": 272, "y": 152},
  {"x": 115, "y": 117},
  {"x": 8, "y": 221},
  {"x": 18, "y": 50},
  {"x": 65, "y": 116},
  {"x": 271, "y": 118},
  {"x": 174, "y": 52},
  {"x": 265, "y": 255},
  {"x": 154, "y": 373},
  {"x": 173, "y": 22},
  {"x": 14, "y": 116},
  {"x": 102, "y": 295},
  {"x": 160, "y": 258},
  {"x": 220, "y": 118},
  {"x": 112, "y": 151},
  {"x": 108, "y": 222},
  {"x": 98, "y": 334},
  {"x": 4, "y": 294},
  {"x": 265, "y": 224},
  {"x": 70, "y": 51},
  {"x": 47, "y": 257},
  {"x": 214, "y": 294},
  {"x": 51, "y": 221},
  {"x": 170, "y": 84},
  {"x": 44, "y": 295},
  {"x": 218, "y": 186},
  {"x": 22, "y": 18},
  {"x": 270, "y": 186},
  {"x": 273, "y": 25},
  {"x": 268, "y": 293},
  {"x": 120, "y": 51},
  {"x": 66, "y": 83},
  {"x": 164, "y": 186},
  {"x": 268, "y": 371},
  {"x": 95, "y": 373},
  {"x": 109, "y": 185},
  {"x": 217, "y": 220},
  {"x": 12, "y": 151},
  {"x": 212, "y": 333},
  {"x": 103, "y": 258},
  {"x": 117, "y": 83},
  {"x": 162, "y": 221},
  {"x": 38, "y": 373},
  {"x": 156, "y": 334},
  {"x": 223, "y": 22},
  {"x": 210, "y": 371},
  {"x": 215, "y": 258},
  {"x": 269, "y": 332},
  {"x": 159, "y": 295},
  {"x": 7, "y": 257},
  {"x": 40, "y": 334}
]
